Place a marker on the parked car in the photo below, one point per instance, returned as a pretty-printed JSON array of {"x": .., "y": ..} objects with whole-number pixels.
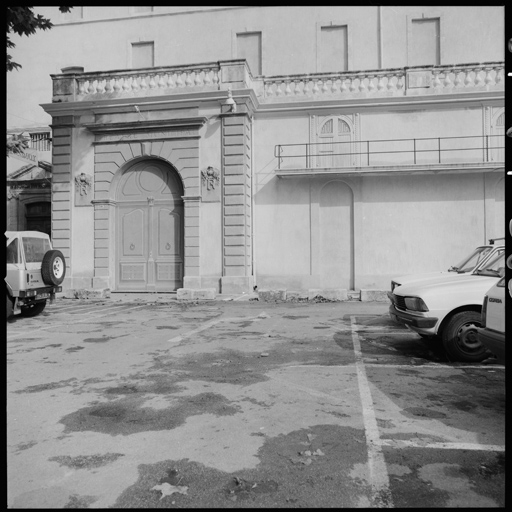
[
  {"x": 34, "y": 272},
  {"x": 492, "y": 331},
  {"x": 466, "y": 265},
  {"x": 449, "y": 309}
]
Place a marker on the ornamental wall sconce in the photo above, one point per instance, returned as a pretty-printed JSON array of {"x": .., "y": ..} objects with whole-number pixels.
[
  {"x": 210, "y": 178},
  {"x": 83, "y": 183}
]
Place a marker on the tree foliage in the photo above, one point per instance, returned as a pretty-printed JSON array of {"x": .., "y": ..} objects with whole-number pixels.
[
  {"x": 17, "y": 143},
  {"x": 22, "y": 21}
]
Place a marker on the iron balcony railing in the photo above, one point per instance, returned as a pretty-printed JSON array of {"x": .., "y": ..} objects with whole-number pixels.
[{"x": 418, "y": 151}]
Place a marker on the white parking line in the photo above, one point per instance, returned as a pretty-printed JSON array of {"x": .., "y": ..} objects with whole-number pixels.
[
  {"x": 52, "y": 326},
  {"x": 207, "y": 325},
  {"x": 437, "y": 366},
  {"x": 185, "y": 335},
  {"x": 401, "y": 443},
  {"x": 87, "y": 309},
  {"x": 379, "y": 478}
]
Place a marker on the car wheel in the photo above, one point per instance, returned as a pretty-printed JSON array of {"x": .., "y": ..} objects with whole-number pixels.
[
  {"x": 10, "y": 309},
  {"x": 460, "y": 338},
  {"x": 33, "y": 309},
  {"x": 53, "y": 268}
]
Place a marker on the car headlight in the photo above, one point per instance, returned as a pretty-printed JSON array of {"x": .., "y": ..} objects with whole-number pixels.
[{"x": 415, "y": 304}]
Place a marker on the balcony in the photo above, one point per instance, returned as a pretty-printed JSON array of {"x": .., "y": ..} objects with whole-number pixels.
[{"x": 377, "y": 157}]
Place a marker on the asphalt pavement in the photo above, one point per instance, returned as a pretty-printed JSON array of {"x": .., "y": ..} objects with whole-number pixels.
[{"x": 144, "y": 401}]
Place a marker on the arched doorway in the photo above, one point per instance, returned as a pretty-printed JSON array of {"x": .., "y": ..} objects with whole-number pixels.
[{"x": 149, "y": 228}]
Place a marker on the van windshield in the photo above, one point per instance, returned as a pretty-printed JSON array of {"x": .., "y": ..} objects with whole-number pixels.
[
  {"x": 494, "y": 267},
  {"x": 471, "y": 261}
]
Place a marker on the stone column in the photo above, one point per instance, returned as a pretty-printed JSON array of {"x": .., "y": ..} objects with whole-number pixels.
[{"x": 236, "y": 203}]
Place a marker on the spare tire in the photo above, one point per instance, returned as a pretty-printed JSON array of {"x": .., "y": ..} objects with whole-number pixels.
[{"x": 53, "y": 268}]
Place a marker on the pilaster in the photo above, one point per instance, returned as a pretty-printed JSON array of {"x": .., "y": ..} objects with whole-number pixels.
[
  {"x": 192, "y": 274},
  {"x": 236, "y": 203},
  {"x": 61, "y": 192}
]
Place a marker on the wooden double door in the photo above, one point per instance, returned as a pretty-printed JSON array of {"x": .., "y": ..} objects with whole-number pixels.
[{"x": 149, "y": 229}]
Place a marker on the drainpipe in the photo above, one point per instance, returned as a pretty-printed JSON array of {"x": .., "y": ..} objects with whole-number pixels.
[
  {"x": 253, "y": 216},
  {"x": 379, "y": 30}
]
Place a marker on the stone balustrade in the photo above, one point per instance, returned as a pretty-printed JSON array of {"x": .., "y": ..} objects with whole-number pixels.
[
  {"x": 147, "y": 80},
  {"x": 333, "y": 84},
  {"x": 389, "y": 82},
  {"x": 450, "y": 77},
  {"x": 75, "y": 85}
]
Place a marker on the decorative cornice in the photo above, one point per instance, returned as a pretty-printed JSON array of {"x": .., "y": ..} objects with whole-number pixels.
[
  {"x": 408, "y": 102},
  {"x": 191, "y": 199},
  {"x": 395, "y": 170},
  {"x": 103, "y": 202},
  {"x": 108, "y": 128}
]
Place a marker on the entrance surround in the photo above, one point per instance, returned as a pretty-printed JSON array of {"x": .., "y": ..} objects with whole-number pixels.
[{"x": 117, "y": 146}]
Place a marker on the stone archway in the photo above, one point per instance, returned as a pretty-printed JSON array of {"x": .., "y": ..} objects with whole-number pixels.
[{"x": 149, "y": 253}]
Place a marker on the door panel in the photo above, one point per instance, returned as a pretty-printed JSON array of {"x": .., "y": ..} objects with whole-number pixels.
[
  {"x": 133, "y": 245},
  {"x": 149, "y": 229},
  {"x": 168, "y": 247}
]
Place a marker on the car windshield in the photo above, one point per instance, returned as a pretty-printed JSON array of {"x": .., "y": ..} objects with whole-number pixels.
[
  {"x": 471, "y": 261},
  {"x": 35, "y": 249},
  {"x": 494, "y": 267}
]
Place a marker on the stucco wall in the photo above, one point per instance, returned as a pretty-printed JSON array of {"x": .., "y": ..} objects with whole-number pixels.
[
  {"x": 400, "y": 224},
  {"x": 289, "y": 42}
]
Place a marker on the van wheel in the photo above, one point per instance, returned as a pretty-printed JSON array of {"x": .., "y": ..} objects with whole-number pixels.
[
  {"x": 33, "y": 309},
  {"x": 53, "y": 268},
  {"x": 10, "y": 308},
  {"x": 460, "y": 338}
]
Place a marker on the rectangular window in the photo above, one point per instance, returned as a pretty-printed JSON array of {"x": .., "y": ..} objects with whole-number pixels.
[
  {"x": 75, "y": 14},
  {"x": 424, "y": 45},
  {"x": 141, "y": 10},
  {"x": 248, "y": 47},
  {"x": 143, "y": 55},
  {"x": 13, "y": 254},
  {"x": 333, "y": 49}
]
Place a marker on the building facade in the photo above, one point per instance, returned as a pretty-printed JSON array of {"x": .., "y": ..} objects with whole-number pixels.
[
  {"x": 299, "y": 148},
  {"x": 29, "y": 180}
]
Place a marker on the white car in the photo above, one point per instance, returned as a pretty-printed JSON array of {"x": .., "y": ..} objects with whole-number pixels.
[
  {"x": 492, "y": 332},
  {"x": 466, "y": 265},
  {"x": 450, "y": 309}
]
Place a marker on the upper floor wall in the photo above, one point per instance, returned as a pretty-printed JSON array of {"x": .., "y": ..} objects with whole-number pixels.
[
  {"x": 292, "y": 39},
  {"x": 274, "y": 41}
]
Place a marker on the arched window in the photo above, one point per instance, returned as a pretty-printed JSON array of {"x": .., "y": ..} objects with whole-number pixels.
[
  {"x": 334, "y": 148},
  {"x": 497, "y": 139}
]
